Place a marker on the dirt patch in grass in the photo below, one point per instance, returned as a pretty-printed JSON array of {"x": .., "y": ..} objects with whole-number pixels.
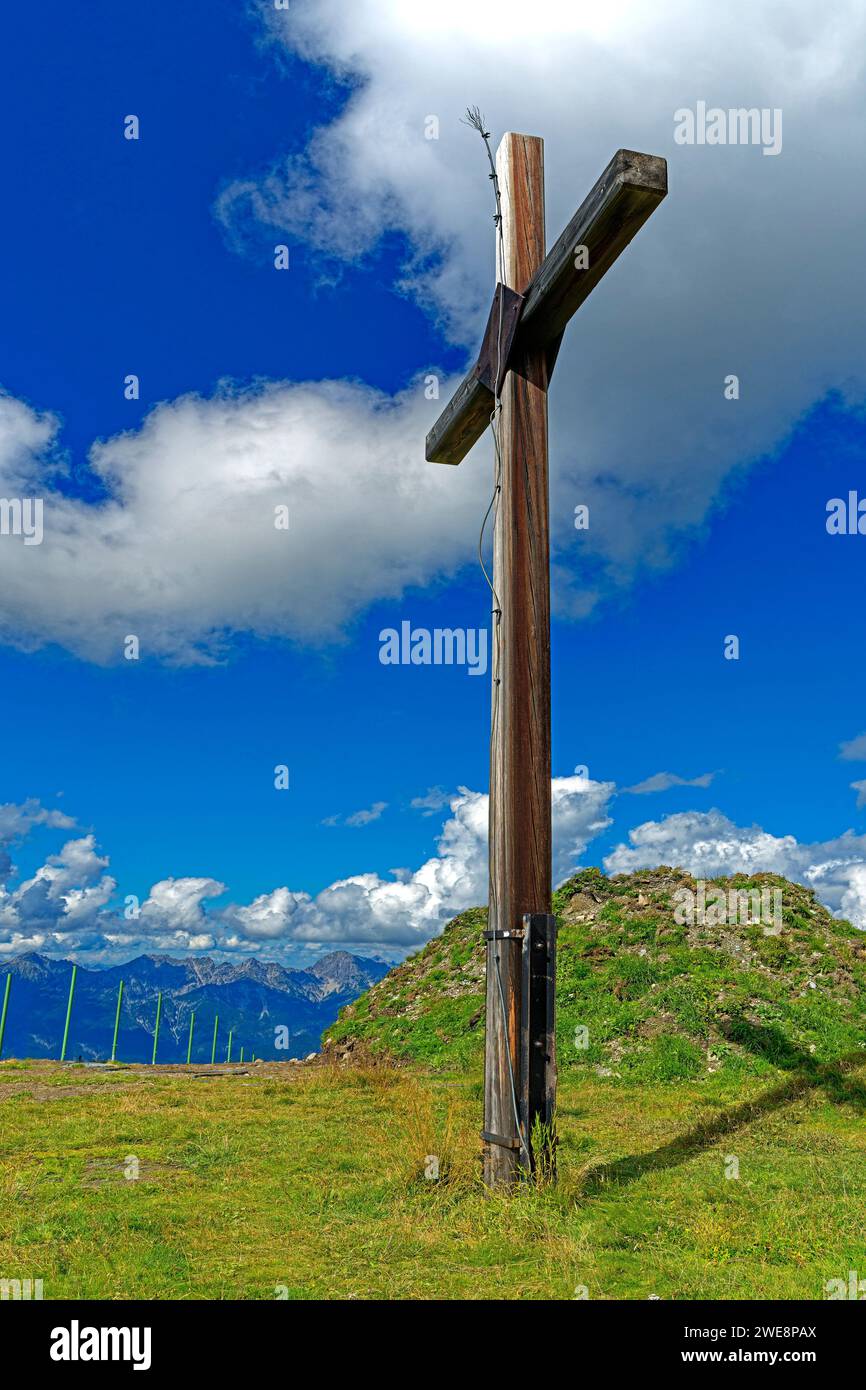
[{"x": 41, "y": 1092}]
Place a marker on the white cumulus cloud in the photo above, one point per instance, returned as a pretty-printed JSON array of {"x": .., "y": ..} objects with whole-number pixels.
[
  {"x": 68, "y": 898},
  {"x": 176, "y": 903},
  {"x": 184, "y": 552}
]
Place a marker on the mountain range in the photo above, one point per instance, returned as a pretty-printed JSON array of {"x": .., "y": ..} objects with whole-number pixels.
[{"x": 273, "y": 1012}]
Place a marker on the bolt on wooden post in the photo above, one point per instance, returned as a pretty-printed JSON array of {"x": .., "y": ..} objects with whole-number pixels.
[{"x": 527, "y": 320}]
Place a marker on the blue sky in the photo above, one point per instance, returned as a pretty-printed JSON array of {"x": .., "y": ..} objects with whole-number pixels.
[{"x": 156, "y": 257}]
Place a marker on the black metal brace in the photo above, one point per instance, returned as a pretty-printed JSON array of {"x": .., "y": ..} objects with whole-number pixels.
[{"x": 499, "y": 337}]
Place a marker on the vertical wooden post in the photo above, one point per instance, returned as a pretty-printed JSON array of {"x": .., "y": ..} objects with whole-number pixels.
[
  {"x": 116, "y": 1022},
  {"x": 189, "y": 1043},
  {"x": 216, "y": 1024},
  {"x": 156, "y": 1028},
  {"x": 5, "y": 1007},
  {"x": 229, "y": 1048},
  {"x": 68, "y": 1013},
  {"x": 520, "y": 829},
  {"x": 242, "y": 1054}
]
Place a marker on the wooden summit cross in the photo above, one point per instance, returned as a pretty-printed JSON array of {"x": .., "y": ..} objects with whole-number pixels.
[{"x": 524, "y": 332}]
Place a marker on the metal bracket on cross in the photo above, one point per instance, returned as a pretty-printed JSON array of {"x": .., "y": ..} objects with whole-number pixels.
[{"x": 498, "y": 338}]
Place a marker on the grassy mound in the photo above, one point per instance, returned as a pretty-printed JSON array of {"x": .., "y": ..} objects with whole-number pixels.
[{"x": 644, "y": 993}]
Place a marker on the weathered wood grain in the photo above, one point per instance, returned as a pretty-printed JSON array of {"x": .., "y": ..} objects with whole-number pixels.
[
  {"x": 520, "y": 813},
  {"x": 629, "y": 190}
]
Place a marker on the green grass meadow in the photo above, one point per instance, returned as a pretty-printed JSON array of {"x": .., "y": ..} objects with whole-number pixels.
[{"x": 308, "y": 1182}]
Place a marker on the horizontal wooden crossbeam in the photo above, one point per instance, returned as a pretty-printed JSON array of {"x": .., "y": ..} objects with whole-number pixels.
[{"x": 629, "y": 190}]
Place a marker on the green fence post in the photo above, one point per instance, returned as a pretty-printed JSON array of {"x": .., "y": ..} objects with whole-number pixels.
[
  {"x": 229, "y": 1052},
  {"x": 242, "y": 1054},
  {"x": 156, "y": 1029},
  {"x": 68, "y": 1013},
  {"x": 117, "y": 1022},
  {"x": 189, "y": 1044},
  {"x": 216, "y": 1024},
  {"x": 5, "y": 1007}
]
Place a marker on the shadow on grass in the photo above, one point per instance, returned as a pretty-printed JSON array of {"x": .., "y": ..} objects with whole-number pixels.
[{"x": 808, "y": 1075}]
